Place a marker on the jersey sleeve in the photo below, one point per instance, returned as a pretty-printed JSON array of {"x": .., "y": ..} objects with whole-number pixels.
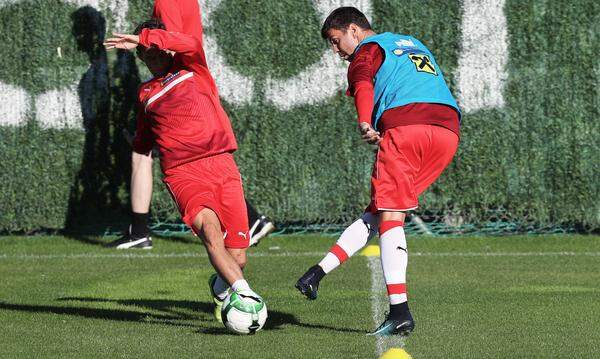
[
  {"x": 142, "y": 141},
  {"x": 361, "y": 74},
  {"x": 364, "y": 102},
  {"x": 169, "y": 13},
  {"x": 168, "y": 40}
]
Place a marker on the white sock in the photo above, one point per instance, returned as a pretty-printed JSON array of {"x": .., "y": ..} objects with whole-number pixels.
[
  {"x": 240, "y": 284},
  {"x": 351, "y": 241},
  {"x": 220, "y": 288},
  {"x": 394, "y": 259}
]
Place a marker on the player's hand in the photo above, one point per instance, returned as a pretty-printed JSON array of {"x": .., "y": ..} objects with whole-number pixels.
[
  {"x": 368, "y": 134},
  {"x": 122, "y": 41}
]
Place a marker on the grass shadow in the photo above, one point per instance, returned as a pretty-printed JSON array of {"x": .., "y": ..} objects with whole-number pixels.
[
  {"x": 161, "y": 311},
  {"x": 92, "y": 240},
  {"x": 100, "y": 313}
]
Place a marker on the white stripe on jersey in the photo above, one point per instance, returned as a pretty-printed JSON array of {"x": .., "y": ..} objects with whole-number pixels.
[{"x": 166, "y": 89}]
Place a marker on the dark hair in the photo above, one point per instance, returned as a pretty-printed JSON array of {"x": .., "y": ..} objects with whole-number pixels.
[
  {"x": 342, "y": 17},
  {"x": 149, "y": 24}
]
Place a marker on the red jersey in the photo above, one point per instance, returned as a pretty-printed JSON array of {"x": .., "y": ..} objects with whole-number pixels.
[
  {"x": 182, "y": 16},
  {"x": 181, "y": 112},
  {"x": 362, "y": 71}
]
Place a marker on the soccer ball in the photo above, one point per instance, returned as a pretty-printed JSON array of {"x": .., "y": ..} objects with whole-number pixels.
[{"x": 244, "y": 312}]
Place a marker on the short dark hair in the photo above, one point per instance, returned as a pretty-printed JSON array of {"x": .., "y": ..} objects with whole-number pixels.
[
  {"x": 151, "y": 24},
  {"x": 342, "y": 17}
]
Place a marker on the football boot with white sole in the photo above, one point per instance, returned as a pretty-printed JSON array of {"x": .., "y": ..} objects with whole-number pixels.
[{"x": 129, "y": 241}]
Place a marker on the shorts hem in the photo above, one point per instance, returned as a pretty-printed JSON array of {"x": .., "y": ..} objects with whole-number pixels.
[
  {"x": 237, "y": 246},
  {"x": 380, "y": 209},
  {"x": 191, "y": 216},
  {"x": 190, "y": 223}
]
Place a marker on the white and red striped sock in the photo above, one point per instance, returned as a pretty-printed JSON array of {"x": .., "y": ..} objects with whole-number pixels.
[
  {"x": 351, "y": 241},
  {"x": 394, "y": 259}
]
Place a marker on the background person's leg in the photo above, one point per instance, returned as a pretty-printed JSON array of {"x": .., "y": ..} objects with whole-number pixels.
[
  {"x": 141, "y": 182},
  {"x": 260, "y": 226},
  {"x": 137, "y": 234}
]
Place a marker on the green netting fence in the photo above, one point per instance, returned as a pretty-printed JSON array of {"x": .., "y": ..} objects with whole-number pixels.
[{"x": 528, "y": 160}]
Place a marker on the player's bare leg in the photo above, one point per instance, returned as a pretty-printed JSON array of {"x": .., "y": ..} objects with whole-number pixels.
[
  {"x": 141, "y": 182},
  {"x": 394, "y": 260},
  {"x": 228, "y": 262},
  {"x": 218, "y": 287},
  {"x": 239, "y": 255},
  {"x": 208, "y": 227},
  {"x": 138, "y": 233},
  {"x": 351, "y": 241}
]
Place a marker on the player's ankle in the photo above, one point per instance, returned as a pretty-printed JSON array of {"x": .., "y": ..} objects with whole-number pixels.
[
  {"x": 139, "y": 225},
  {"x": 319, "y": 272},
  {"x": 399, "y": 310},
  {"x": 220, "y": 288},
  {"x": 240, "y": 284}
]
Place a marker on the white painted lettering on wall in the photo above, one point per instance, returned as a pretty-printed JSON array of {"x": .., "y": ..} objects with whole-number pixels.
[
  {"x": 55, "y": 108},
  {"x": 481, "y": 72}
]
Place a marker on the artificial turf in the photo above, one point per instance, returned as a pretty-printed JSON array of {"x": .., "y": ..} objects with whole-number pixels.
[{"x": 472, "y": 297}]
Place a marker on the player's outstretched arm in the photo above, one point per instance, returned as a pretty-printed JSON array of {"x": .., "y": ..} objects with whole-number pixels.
[
  {"x": 177, "y": 42},
  {"x": 122, "y": 41},
  {"x": 164, "y": 40}
]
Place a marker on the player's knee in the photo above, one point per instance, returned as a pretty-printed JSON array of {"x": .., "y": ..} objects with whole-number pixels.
[
  {"x": 239, "y": 255},
  {"x": 241, "y": 261},
  {"x": 208, "y": 228}
]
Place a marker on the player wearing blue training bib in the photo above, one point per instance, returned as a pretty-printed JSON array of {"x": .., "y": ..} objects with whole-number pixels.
[{"x": 405, "y": 107}]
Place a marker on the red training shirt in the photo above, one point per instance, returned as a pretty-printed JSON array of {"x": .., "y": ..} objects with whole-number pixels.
[
  {"x": 181, "y": 112},
  {"x": 361, "y": 74}
]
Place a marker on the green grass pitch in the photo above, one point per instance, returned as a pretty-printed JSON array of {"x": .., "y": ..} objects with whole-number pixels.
[{"x": 475, "y": 297}]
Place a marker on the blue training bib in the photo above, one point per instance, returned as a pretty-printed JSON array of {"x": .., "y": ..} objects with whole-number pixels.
[{"x": 408, "y": 74}]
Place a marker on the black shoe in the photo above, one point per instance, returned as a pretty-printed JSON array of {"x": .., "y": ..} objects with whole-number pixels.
[
  {"x": 260, "y": 229},
  {"x": 402, "y": 326},
  {"x": 128, "y": 241},
  {"x": 308, "y": 284}
]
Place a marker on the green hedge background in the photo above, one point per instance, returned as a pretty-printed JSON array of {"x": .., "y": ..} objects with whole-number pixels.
[{"x": 535, "y": 161}]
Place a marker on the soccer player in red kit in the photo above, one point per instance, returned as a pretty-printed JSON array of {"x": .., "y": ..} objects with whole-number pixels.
[
  {"x": 179, "y": 111},
  {"x": 179, "y": 16},
  {"x": 405, "y": 107}
]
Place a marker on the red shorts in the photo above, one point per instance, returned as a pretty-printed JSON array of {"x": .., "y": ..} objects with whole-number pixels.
[
  {"x": 215, "y": 183},
  {"x": 409, "y": 159}
]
